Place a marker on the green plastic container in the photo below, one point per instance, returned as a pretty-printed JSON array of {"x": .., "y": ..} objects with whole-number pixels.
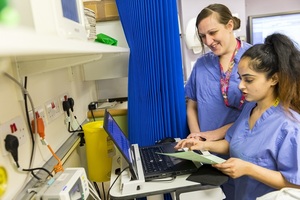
[{"x": 105, "y": 39}]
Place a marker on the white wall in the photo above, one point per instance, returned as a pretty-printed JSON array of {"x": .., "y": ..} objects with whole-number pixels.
[
  {"x": 191, "y": 8},
  {"x": 117, "y": 87},
  {"x": 42, "y": 88},
  {"x": 257, "y": 7}
]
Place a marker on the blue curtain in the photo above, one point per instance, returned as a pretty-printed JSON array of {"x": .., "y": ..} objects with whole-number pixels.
[{"x": 156, "y": 103}]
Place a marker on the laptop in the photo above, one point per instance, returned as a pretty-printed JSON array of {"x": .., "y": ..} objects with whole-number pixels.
[{"x": 154, "y": 166}]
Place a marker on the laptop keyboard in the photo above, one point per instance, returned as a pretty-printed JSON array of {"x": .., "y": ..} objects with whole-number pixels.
[{"x": 154, "y": 162}]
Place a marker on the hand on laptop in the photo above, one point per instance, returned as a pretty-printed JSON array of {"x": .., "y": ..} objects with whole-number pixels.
[
  {"x": 191, "y": 144},
  {"x": 208, "y": 135},
  {"x": 198, "y": 135}
]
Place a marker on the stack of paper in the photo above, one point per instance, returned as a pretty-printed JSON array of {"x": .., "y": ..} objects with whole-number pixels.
[{"x": 90, "y": 23}]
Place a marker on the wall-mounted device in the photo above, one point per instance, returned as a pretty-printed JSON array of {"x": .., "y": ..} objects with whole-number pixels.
[
  {"x": 191, "y": 37},
  {"x": 260, "y": 26},
  {"x": 69, "y": 185},
  {"x": 63, "y": 18}
]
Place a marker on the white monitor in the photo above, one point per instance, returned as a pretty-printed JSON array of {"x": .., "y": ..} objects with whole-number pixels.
[
  {"x": 260, "y": 26},
  {"x": 64, "y": 18}
]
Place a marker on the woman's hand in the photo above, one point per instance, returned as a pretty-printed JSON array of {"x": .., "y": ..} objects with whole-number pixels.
[
  {"x": 236, "y": 168},
  {"x": 233, "y": 167},
  {"x": 191, "y": 144},
  {"x": 198, "y": 136},
  {"x": 207, "y": 135},
  {"x": 213, "y": 135}
]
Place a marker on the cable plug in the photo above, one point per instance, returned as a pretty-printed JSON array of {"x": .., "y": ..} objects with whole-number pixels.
[
  {"x": 74, "y": 124},
  {"x": 12, "y": 145},
  {"x": 66, "y": 107},
  {"x": 40, "y": 126},
  {"x": 71, "y": 103},
  {"x": 93, "y": 105},
  {"x": 51, "y": 181},
  {"x": 44, "y": 142},
  {"x": 67, "y": 120}
]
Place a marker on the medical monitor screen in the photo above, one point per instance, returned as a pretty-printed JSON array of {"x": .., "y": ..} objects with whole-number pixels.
[
  {"x": 76, "y": 193},
  {"x": 261, "y": 26},
  {"x": 70, "y": 10}
]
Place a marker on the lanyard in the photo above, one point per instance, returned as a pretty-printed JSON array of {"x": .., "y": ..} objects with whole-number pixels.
[
  {"x": 277, "y": 100},
  {"x": 225, "y": 80}
]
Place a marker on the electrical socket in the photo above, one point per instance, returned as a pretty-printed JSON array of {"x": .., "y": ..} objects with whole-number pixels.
[
  {"x": 40, "y": 110},
  {"x": 14, "y": 127},
  {"x": 73, "y": 122},
  {"x": 53, "y": 110},
  {"x": 62, "y": 97}
]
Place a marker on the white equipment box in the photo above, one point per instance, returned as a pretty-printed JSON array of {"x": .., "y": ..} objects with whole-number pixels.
[{"x": 71, "y": 184}]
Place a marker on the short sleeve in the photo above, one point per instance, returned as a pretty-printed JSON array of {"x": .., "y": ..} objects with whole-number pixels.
[
  {"x": 190, "y": 87},
  {"x": 289, "y": 152}
]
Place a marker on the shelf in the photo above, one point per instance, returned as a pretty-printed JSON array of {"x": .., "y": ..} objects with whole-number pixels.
[{"x": 37, "y": 53}]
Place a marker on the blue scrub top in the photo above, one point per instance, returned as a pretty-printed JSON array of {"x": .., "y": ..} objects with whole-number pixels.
[
  {"x": 204, "y": 87},
  {"x": 272, "y": 143}
]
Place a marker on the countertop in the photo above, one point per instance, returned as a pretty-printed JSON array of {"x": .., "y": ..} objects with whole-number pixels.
[{"x": 115, "y": 109}]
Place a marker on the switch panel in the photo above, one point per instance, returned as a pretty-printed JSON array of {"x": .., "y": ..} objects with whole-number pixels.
[
  {"x": 64, "y": 97},
  {"x": 14, "y": 127},
  {"x": 40, "y": 112},
  {"x": 53, "y": 110}
]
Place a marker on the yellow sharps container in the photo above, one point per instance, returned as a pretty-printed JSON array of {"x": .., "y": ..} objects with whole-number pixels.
[{"x": 99, "y": 151}]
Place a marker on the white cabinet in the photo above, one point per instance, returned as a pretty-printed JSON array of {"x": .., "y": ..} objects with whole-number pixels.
[{"x": 35, "y": 53}]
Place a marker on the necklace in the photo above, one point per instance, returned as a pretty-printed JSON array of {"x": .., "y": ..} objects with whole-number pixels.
[{"x": 224, "y": 80}]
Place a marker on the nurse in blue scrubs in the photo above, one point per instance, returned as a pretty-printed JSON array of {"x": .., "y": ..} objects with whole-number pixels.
[
  {"x": 214, "y": 100},
  {"x": 263, "y": 143}
]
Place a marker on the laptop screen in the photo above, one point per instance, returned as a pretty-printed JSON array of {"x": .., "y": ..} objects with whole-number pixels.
[{"x": 119, "y": 138}]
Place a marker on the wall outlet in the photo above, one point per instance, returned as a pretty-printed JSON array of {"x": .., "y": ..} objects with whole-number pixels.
[
  {"x": 41, "y": 112},
  {"x": 14, "y": 127},
  {"x": 52, "y": 109},
  {"x": 62, "y": 98}
]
